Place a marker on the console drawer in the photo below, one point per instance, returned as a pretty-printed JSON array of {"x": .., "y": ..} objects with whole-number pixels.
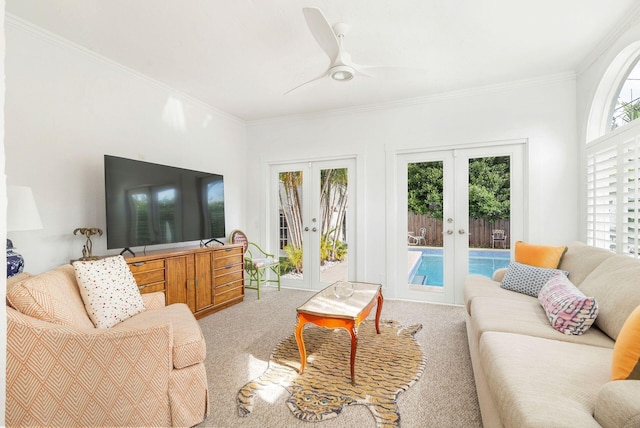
[
  {"x": 227, "y": 257},
  {"x": 144, "y": 278},
  {"x": 230, "y": 294},
  {"x": 227, "y": 287},
  {"x": 146, "y": 266},
  {"x": 223, "y": 277},
  {"x": 150, "y": 288}
]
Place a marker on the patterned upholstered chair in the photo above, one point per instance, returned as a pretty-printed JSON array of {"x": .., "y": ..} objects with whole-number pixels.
[
  {"x": 257, "y": 262},
  {"x": 62, "y": 371}
]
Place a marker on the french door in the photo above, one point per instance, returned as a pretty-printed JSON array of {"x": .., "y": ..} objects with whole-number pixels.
[
  {"x": 313, "y": 221},
  {"x": 452, "y": 208}
]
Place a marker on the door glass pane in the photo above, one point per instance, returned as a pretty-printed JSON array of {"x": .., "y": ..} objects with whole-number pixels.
[
  {"x": 424, "y": 224},
  {"x": 290, "y": 224},
  {"x": 489, "y": 214},
  {"x": 333, "y": 224}
]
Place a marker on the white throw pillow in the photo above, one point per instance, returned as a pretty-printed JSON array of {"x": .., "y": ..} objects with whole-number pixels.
[{"x": 109, "y": 290}]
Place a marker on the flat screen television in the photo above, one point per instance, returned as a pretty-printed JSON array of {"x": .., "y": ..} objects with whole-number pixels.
[{"x": 150, "y": 204}]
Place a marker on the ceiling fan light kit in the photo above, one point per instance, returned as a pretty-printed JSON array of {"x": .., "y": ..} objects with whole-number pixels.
[{"x": 342, "y": 73}]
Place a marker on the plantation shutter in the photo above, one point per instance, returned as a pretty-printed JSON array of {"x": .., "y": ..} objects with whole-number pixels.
[{"x": 613, "y": 194}]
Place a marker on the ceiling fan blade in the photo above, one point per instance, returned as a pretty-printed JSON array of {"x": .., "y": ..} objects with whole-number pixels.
[
  {"x": 306, "y": 83},
  {"x": 322, "y": 31}
]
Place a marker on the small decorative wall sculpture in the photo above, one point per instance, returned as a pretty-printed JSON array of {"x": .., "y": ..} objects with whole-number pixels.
[{"x": 87, "y": 248}]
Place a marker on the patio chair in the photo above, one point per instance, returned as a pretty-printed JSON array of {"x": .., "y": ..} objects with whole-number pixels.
[
  {"x": 498, "y": 235},
  {"x": 417, "y": 239},
  {"x": 257, "y": 262}
]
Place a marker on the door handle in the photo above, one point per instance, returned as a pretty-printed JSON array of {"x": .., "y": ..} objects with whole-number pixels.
[
  {"x": 461, "y": 231},
  {"x": 449, "y": 232},
  {"x": 306, "y": 229},
  {"x": 315, "y": 229}
]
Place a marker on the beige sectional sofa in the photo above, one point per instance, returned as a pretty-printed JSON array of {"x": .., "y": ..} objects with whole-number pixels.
[
  {"x": 528, "y": 374},
  {"x": 62, "y": 371}
]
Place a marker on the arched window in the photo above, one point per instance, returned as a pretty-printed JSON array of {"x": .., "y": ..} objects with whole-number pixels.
[
  {"x": 613, "y": 157},
  {"x": 627, "y": 106}
]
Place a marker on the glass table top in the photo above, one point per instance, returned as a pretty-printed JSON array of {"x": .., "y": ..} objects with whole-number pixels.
[{"x": 326, "y": 303}]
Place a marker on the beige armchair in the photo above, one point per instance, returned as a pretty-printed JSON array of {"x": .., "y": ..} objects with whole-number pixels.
[{"x": 61, "y": 371}]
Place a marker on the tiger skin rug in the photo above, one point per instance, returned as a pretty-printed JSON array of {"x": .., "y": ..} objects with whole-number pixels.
[{"x": 386, "y": 364}]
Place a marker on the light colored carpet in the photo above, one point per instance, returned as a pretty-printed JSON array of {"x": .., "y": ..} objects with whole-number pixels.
[{"x": 240, "y": 340}]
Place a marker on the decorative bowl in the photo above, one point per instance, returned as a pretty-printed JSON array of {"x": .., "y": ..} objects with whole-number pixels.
[{"x": 343, "y": 289}]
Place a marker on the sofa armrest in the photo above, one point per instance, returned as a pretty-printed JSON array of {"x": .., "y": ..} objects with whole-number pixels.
[
  {"x": 68, "y": 376},
  {"x": 153, "y": 301},
  {"x": 498, "y": 275},
  {"x": 618, "y": 404}
]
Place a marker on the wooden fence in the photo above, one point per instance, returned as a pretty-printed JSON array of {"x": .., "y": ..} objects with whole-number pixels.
[{"x": 480, "y": 230}]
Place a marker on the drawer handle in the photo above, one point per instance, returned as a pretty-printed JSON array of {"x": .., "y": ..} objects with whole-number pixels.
[
  {"x": 142, "y": 287},
  {"x": 228, "y": 249},
  {"x": 228, "y": 266},
  {"x": 139, "y": 264}
]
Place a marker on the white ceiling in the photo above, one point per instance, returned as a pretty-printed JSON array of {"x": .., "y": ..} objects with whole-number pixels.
[{"x": 240, "y": 56}]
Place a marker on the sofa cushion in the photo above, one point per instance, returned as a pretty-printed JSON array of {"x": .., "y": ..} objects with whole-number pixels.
[
  {"x": 568, "y": 309},
  {"x": 581, "y": 259},
  {"x": 109, "y": 290},
  {"x": 526, "y": 279},
  {"x": 52, "y": 296},
  {"x": 481, "y": 286},
  {"x": 189, "y": 346},
  {"x": 538, "y": 382},
  {"x": 616, "y": 286},
  {"x": 526, "y": 317},
  {"x": 626, "y": 352}
]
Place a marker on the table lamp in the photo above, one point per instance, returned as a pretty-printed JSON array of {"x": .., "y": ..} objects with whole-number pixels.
[{"x": 22, "y": 214}]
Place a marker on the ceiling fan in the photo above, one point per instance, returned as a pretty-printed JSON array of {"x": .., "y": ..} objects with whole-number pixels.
[{"x": 341, "y": 68}]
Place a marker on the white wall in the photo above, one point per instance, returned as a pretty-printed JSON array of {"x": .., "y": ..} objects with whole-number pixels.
[
  {"x": 66, "y": 108},
  {"x": 542, "y": 112}
]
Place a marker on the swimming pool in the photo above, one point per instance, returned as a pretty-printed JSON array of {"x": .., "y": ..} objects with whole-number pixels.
[{"x": 427, "y": 270}]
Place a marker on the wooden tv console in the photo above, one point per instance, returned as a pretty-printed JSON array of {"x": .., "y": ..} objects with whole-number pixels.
[{"x": 207, "y": 279}]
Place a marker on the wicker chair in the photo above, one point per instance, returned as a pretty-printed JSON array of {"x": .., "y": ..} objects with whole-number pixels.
[{"x": 257, "y": 262}]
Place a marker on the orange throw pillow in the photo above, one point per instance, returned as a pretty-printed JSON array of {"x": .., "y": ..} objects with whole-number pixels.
[
  {"x": 626, "y": 351},
  {"x": 543, "y": 256}
]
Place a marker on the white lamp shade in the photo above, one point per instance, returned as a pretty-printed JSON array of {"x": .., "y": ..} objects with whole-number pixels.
[{"x": 22, "y": 213}]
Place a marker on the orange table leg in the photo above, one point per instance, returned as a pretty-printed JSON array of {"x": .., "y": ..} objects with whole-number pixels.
[
  {"x": 300, "y": 341},
  {"x": 378, "y": 311},
  {"x": 354, "y": 345}
]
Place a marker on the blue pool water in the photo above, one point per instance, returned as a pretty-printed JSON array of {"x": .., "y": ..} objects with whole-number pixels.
[{"x": 428, "y": 270}]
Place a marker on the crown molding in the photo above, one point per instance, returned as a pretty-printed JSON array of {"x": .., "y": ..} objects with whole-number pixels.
[
  {"x": 608, "y": 41},
  {"x": 12, "y": 21},
  {"x": 416, "y": 101}
]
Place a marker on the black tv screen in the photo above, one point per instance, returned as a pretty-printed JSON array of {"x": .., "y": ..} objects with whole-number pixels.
[{"x": 149, "y": 204}]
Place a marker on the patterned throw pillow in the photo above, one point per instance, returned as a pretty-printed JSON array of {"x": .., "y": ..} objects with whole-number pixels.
[
  {"x": 568, "y": 309},
  {"x": 527, "y": 279},
  {"x": 109, "y": 290},
  {"x": 626, "y": 351}
]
